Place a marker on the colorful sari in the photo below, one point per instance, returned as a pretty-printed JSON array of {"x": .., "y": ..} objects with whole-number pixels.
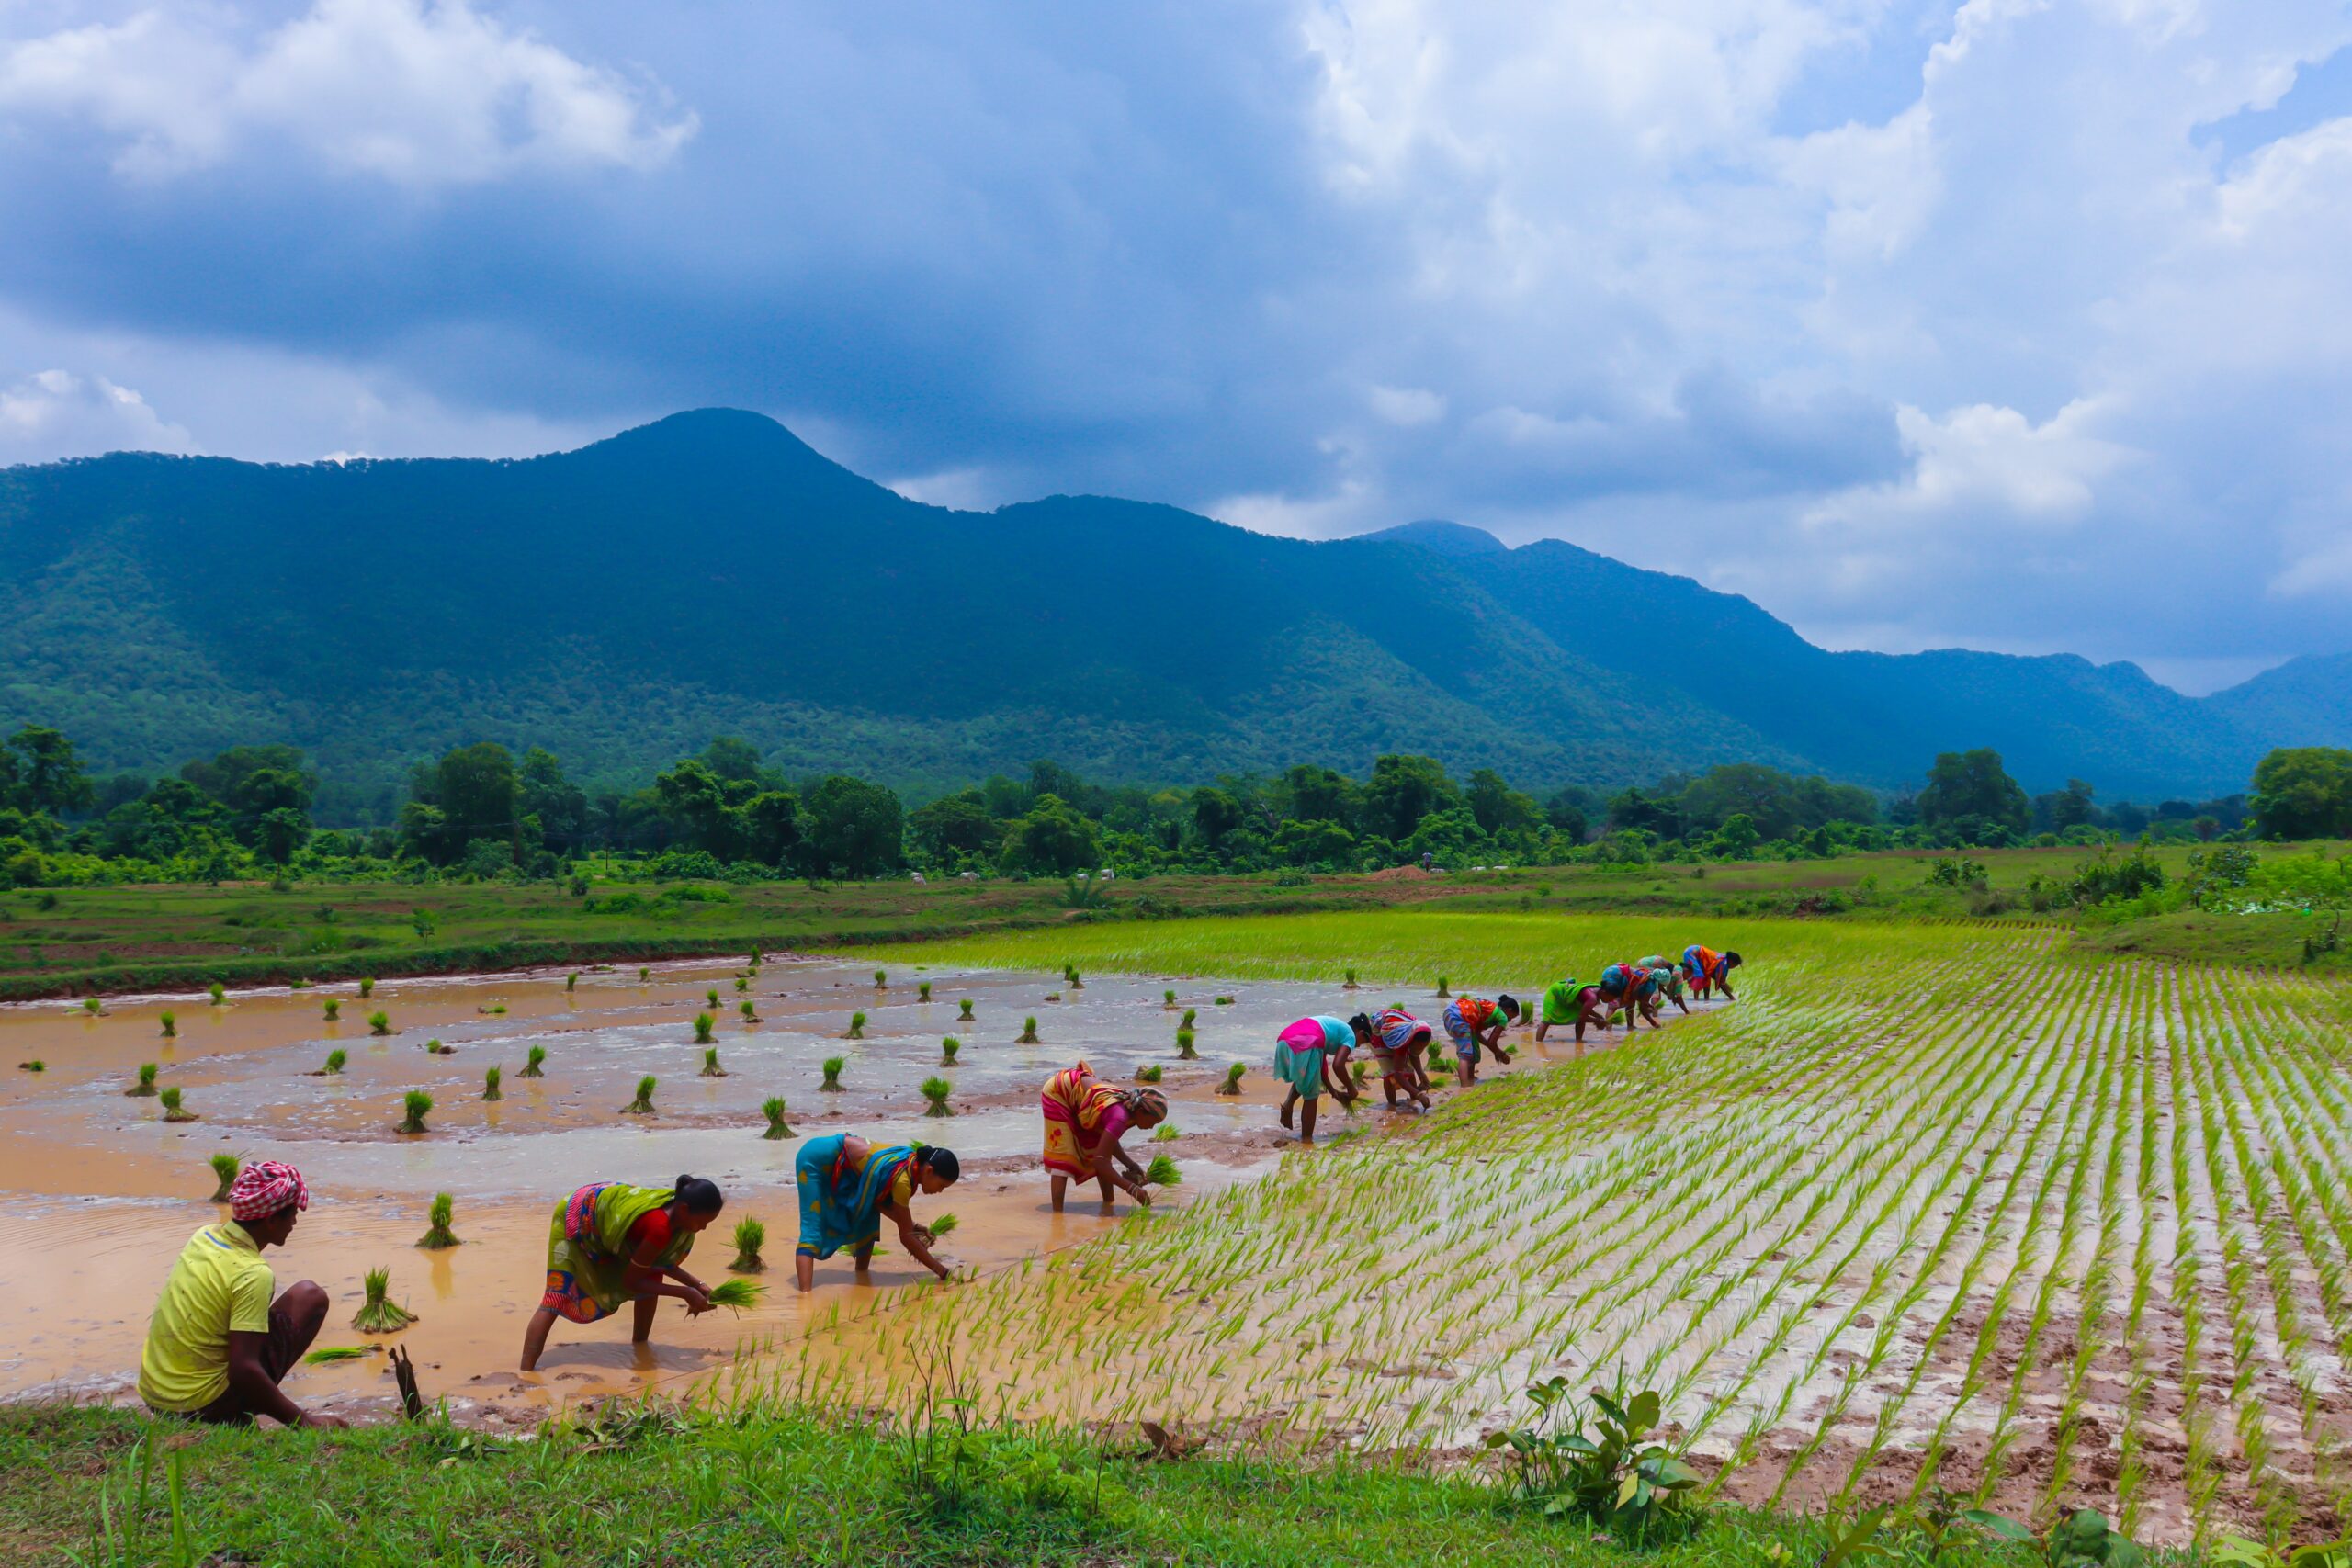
[
  {"x": 1464, "y": 1017},
  {"x": 1082, "y": 1113},
  {"x": 1704, "y": 967},
  {"x": 1560, "y": 1001},
  {"x": 842, "y": 1204},
  {"x": 1397, "y": 1031},
  {"x": 588, "y": 1248},
  {"x": 1300, "y": 1049}
]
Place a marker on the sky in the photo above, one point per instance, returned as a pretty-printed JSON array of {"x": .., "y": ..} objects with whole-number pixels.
[{"x": 2014, "y": 324}]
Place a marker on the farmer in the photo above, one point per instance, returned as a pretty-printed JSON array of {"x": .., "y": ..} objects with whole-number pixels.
[
  {"x": 1669, "y": 978},
  {"x": 611, "y": 1243},
  {"x": 1708, "y": 970},
  {"x": 1471, "y": 1022},
  {"x": 218, "y": 1345},
  {"x": 1567, "y": 1002},
  {"x": 1084, "y": 1119},
  {"x": 1621, "y": 988},
  {"x": 847, "y": 1185},
  {"x": 1311, "y": 1055},
  {"x": 1398, "y": 1039}
]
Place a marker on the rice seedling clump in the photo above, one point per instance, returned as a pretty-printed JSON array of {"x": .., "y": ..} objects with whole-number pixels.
[
  {"x": 224, "y": 1168},
  {"x": 1162, "y": 1172},
  {"x": 738, "y": 1295},
  {"x": 1232, "y": 1081},
  {"x": 935, "y": 1091},
  {"x": 642, "y": 1105},
  {"x": 833, "y": 1066},
  {"x": 335, "y": 1063},
  {"x": 750, "y": 1237},
  {"x": 333, "y": 1008},
  {"x": 856, "y": 1027},
  {"x": 773, "y": 1107},
  {"x": 437, "y": 1234},
  {"x": 948, "y": 1046},
  {"x": 710, "y": 1068},
  {"x": 705, "y": 1029},
  {"x": 379, "y": 1023},
  {"x": 413, "y": 1107},
  {"x": 173, "y": 1109},
  {"x": 171, "y": 1024},
  {"x": 378, "y": 1313},
  {"x": 1028, "y": 1032},
  {"x": 535, "y": 1063},
  {"x": 145, "y": 1088},
  {"x": 490, "y": 1084}
]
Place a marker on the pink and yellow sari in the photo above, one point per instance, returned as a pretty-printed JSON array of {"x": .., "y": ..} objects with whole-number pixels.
[{"x": 1082, "y": 1113}]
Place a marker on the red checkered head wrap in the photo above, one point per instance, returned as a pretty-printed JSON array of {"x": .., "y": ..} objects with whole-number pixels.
[{"x": 264, "y": 1188}]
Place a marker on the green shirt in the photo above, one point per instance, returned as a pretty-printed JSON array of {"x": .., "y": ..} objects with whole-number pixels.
[{"x": 218, "y": 1287}]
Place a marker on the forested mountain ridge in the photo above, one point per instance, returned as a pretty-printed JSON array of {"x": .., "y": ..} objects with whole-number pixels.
[{"x": 712, "y": 573}]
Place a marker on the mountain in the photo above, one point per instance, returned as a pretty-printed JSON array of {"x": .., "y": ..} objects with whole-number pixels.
[
  {"x": 2304, "y": 702},
  {"x": 711, "y": 573}
]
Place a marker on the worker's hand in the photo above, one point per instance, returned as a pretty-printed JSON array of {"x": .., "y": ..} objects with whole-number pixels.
[
  {"x": 1140, "y": 1194},
  {"x": 697, "y": 1301},
  {"x": 320, "y": 1421}
]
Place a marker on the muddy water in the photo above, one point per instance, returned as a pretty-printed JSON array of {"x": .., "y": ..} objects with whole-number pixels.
[{"x": 103, "y": 1191}]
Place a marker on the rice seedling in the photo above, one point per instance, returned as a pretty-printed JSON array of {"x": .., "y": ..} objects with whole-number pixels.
[
  {"x": 942, "y": 1225},
  {"x": 35, "y": 1065},
  {"x": 225, "y": 1168},
  {"x": 1349, "y": 984},
  {"x": 1071, "y": 978},
  {"x": 948, "y": 1046},
  {"x": 748, "y": 1010},
  {"x": 491, "y": 1078},
  {"x": 965, "y": 1015},
  {"x": 145, "y": 1088},
  {"x": 738, "y": 1295},
  {"x": 1028, "y": 1036},
  {"x": 332, "y": 1008},
  {"x": 535, "y": 1063},
  {"x": 378, "y": 1313},
  {"x": 1184, "y": 1051},
  {"x": 328, "y": 1355},
  {"x": 881, "y": 979},
  {"x": 642, "y": 1105},
  {"x": 1167, "y": 998},
  {"x": 173, "y": 1109},
  {"x": 773, "y": 1107},
  {"x": 1231, "y": 1083},
  {"x": 1190, "y": 1015},
  {"x": 1162, "y": 1172},
  {"x": 644, "y": 973},
  {"x": 743, "y": 984},
  {"x": 366, "y": 986},
  {"x": 571, "y": 983},
  {"x": 414, "y": 1105},
  {"x": 935, "y": 1091},
  {"x": 705, "y": 1028},
  {"x": 437, "y": 1234},
  {"x": 833, "y": 1066},
  {"x": 379, "y": 1023},
  {"x": 434, "y": 1048},
  {"x": 171, "y": 1024},
  {"x": 1443, "y": 988},
  {"x": 1165, "y": 1133},
  {"x": 750, "y": 1237},
  {"x": 710, "y": 999},
  {"x": 218, "y": 992},
  {"x": 333, "y": 1064},
  {"x": 1222, "y": 1001},
  {"x": 1149, "y": 1073},
  {"x": 710, "y": 1068},
  {"x": 92, "y": 1006},
  {"x": 923, "y": 990}
]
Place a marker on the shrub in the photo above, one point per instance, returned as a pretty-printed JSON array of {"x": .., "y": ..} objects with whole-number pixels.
[
  {"x": 937, "y": 1091},
  {"x": 1232, "y": 1083},
  {"x": 750, "y": 1237},
  {"x": 948, "y": 1049},
  {"x": 173, "y": 1109},
  {"x": 704, "y": 1025},
  {"x": 225, "y": 1167},
  {"x": 1028, "y": 1032},
  {"x": 489, "y": 1089},
  {"x": 171, "y": 1025},
  {"x": 710, "y": 1068},
  {"x": 414, "y": 1106},
  {"x": 1601, "y": 1464},
  {"x": 379, "y": 1023},
  {"x": 437, "y": 1234},
  {"x": 377, "y": 1314},
  {"x": 833, "y": 1066},
  {"x": 145, "y": 1088},
  {"x": 643, "y": 1104},
  {"x": 774, "y": 1107},
  {"x": 1162, "y": 1172},
  {"x": 335, "y": 1059},
  {"x": 534, "y": 1066},
  {"x": 856, "y": 1027}
]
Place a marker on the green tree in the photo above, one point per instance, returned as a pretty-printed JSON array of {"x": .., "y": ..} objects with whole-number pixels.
[
  {"x": 1737, "y": 838},
  {"x": 854, "y": 829},
  {"x": 560, "y": 806},
  {"x": 772, "y": 826},
  {"x": 953, "y": 825},
  {"x": 1319, "y": 843},
  {"x": 1049, "y": 839},
  {"x": 1215, "y": 813},
  {"x": 1498, "y": 808},
  {"x": 733, "y": 759},
  {"x": 700, "y": 804},
  {"x": 1403, "y": 790},
  {"x": 1965, "y": 785},
  {"x": 1319, "y": 795},
  {"x": 281, "y": 833},
  {"x": 2303, "y": 792},
  {"x": 47, "y": 775}
]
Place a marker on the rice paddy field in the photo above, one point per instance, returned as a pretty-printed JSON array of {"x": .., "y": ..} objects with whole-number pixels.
[{"x": 1931, "y": 1206}]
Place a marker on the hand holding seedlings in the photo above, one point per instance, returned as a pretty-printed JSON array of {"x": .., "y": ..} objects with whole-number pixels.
[
  {"x": 612, "y": 1244},
  {"x": 1085, "y": 1118},
  {"x": 849, "y": 1185}
]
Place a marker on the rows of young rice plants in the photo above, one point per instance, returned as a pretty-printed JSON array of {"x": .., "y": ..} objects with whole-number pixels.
[{"x": 1938, "y": 1207}]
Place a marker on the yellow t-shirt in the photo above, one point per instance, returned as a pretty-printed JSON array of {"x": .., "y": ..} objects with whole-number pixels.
[{"x": 219, "y": 1286}]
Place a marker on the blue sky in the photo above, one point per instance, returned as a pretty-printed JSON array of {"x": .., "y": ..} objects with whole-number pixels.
[{"x": 2020, "y": 324}]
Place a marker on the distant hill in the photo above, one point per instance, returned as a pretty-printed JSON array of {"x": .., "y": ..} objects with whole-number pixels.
[
  {"x": 711, "y": 573},
  {"x": 2304, "y": 702}
]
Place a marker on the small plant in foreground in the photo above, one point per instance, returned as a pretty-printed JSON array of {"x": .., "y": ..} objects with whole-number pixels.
[
  {"x": 966, "y": 1015},
  {"x": 750, "y": 1237},
  {"x": 750, "y": 1012},
  {"x": 710, "y": 999},
  {"x": 1351, "y": 984},
  {"x": 489, "y": 1081},
  {"x": 710, "y": 1068},
  {"x": 145, "y": 1088},
  {"x": 1185, "y": 1052},
  {"x": 1600, "y": 1462},
  {"x": 534, "y": 1066},
  {"x": 948, "y": 1046},
  {"x": 225, "y": 1167},
  {"x": 856, "y": 1027},
  {"x": 332, "y": 1008},
  {"x": 219, "y": 993},
  {"x": 1232, "y": 1083},
  {"x": 833, "y": 1066},
  {"x": 378, "y": 1313},
  {"x": 937, "y": 1091},
  {"x": 1149, "y": 1073},
  {"x": 1167, "y": 998},
  {"x": 171, "y": 1025},
  {"x": 881, "y": 979},
  {"x": 437, "y": 1234},
  {"x": 414, "y": 1105},
  {"x": 379, "y": 1023},
  {"x": 172, "y": 1110},
  {"x": 333, "y": 1353},
  {"x": 92, "y": 1006},
  {"x": 922, "y": 991},
  {"x": 366, "y": 986},
  {"x": 1028, "y": 1032},
  {"x": 643, "y": 1104},
  {"x": 1162, "y": 1172},
  {"x": 1165, "y": 1133},
  {"x": 774, "y": 1107},
  {"x": 704, "y": 1026},
  {"x": 737, "y": 1296}
]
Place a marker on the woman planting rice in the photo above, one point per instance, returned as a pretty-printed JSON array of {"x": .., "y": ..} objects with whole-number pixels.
[
  {"x": 1566, "y": 1002},
  {"x": 613, "y": 1243},
  {"x": 1397, "y": 1041},
  {"x": 847, "y": 1185},
  {"x": 1084, "y": 1118},
  {"x": 1621, "y": 988},
  {"x": 1670, "y": 983},
  {"x": 1471, "y": 1022},
  {"x": 1710, "y": 970},
  {"x": 1310, "y": 1057}
]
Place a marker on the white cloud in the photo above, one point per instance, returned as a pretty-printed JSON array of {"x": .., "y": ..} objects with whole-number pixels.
[
  {"x": 420, "y": 93},
  {"x": 54, "y": 414},
  {"x": 1987, "y": 464},
  {"x": 1405, "y": 406}
]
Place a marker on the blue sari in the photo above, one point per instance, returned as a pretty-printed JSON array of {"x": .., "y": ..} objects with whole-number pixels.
[{"x": 841, "y": 1207}]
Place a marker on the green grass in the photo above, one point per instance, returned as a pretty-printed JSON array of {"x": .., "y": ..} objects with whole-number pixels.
[{"x": 785, "y": 1487}]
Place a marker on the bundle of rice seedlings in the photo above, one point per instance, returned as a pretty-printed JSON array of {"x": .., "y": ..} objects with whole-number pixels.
[
  {"x": 437, "y": 1234},
  {"x": 1185, "y": 1052},
  {"x": 1186, "y": 1021},
  {"x": 570, "y": 983},
  {"x": 378, "y": 1313},
  {"x": 1070, "y": 975},
  {"x": 333, "y": 1008},
  {"x": 1165, "y": 1133},
  {"x": 750, "y": 1011},
  {"x": 332, "y": 1353},
  {"x": 643, "y": 1104},
  {"x": 881, "y": 979},
  {"x": 644, "y": 973},
  {"x": 299, "y": 984},
  {"x": 1149, "y": 1073},
  {"x": 218, "y": 992},
  {"x": 1167, "y": 998},
  {"x": 1442, "y": 987},
  {"x": 379, "y": 1023},
  {"x": 171, "y": 1025},
  {"x": 489, "y": 1089},
  {"x": 1437, "y": 1056},
  {"x": 833, "y": 1066},
  {"x": 366, "y": 986},
  {"x": 1028, "y": 1032},
  {"x": 1162, "y": 1172},
  {"x": 1361, "y": 1072},
  {"x": 922, "y": 991},
  {"x": 750, "y": 1237},
  {"x": 773, "y": 1107},
  {"x": 414, "y": 1106},
  {"x": 145, "y": 1088},
  {"x": 1351, "y": 984},
  {"x": 710, "y": 1068},
  {"x": 966, "y": 1015},
  {"x": 92, "y": 1006},
  {"x": 710, "y": 998},
  {"x": 937, "y": 1092},
  {"x": 35, "y": 1065},
  {"x": 1232, "y": 1083},
  {"x": 856, "y": 1027},
  {"x": 225, "y": 1167},
  {"x": 434, "y": 1048},
  {"x": 738, "y": 1295},
  {"x": 942, "y": 1225},
  {"x": 1053, "y": 996},
  {"x": 535, "y": 1064},
  {"x": 704, "y": 1026},
  {"x": 171, "y": 1109},
  {"x": 335, "y": 1059},
  {"x": 742, "y": 983},
  {"x": 1222, "y": 1001}
]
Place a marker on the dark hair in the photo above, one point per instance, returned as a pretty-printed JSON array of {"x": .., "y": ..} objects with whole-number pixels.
[
  {"x": 698, "y": 1193},
  {"x": 943, "y": 1161},
  {"x": 1509, "y": 1003},
  {"x": 1731, "y": 960},
  {"x": 1361, "y": 1023}
]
